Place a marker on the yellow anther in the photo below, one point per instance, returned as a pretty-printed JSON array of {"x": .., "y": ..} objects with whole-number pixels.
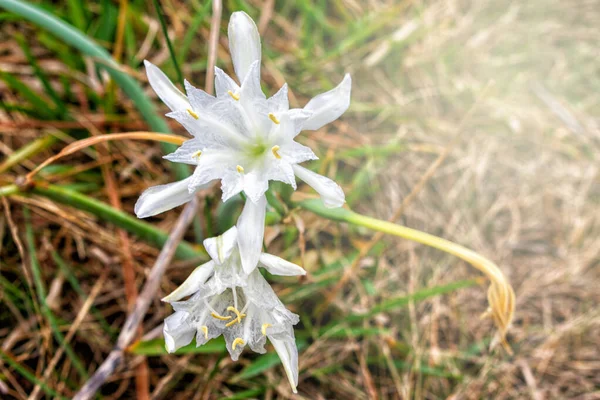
[
  {"x": 193, "y": 114},
  {"x": 275, "y": 150},
  {"x": 264, "y": 329},
  {"x": 236, "y": 342},
  {"x": 222, "y": 318},
  {"x": 273, "y": 118},
  {"x": 236, "y": 97},
  {"x": 240, "y": 169},
  {"x": 238, "y": 319},
  {"x": 197, "y": 154},
  {"x": 205, "y": 331}
]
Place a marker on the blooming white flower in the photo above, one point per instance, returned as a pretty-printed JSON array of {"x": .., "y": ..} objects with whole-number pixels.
[
  {"x": 242, "y": 307},
  {"x": 243, "y": 138}
]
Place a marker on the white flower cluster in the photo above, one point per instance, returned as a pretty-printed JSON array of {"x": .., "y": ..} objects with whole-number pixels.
[{"x": 244, "y": 140}]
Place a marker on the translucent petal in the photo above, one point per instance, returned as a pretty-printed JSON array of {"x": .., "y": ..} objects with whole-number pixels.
[
  {"x": 251, "y": 230},
  {"x": 331, "y": 193},
  {"x": 288, "y": 354},
  {"x": 219, "y": 248},
  {"x": 244, "y": 43},
  {"x": 299, "y": 117},
  {"x": 255, "y": 184},
  {"x": 198, "y": 98},
  {"x": 187, "y": 153},
  {"x": 177, "y": 331},
  {"x": 278, "y": 266},
  {"x": 295, "y": 153},
  {"x": 232, "y": 183},
  {"x": 224, "y": 83},
  {"x": 158, "y": 199},
  {"x": 329, "y": 106},
  {"x": 211, "y": 165},
  {"x": 279, "y": 102},
  {"x": 210, "y": 129},
  {"x": 191, "y": 285},
  {"x": 165, "y": 89}
]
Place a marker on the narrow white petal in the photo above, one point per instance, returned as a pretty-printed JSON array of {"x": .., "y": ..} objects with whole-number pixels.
[
  {"x": 279, "y": 102},
  {"x": 191, "y": 285},
  {"x": 251, "y": 230},
  {"x": 255, "y": 184},
  {"x": 288, "y": 354},
  {"x": 158, "y": 199},
  {"x": 231, "y": 184},
  {"x": 298, "y": 117},
  {"x": 219, "y": 248},
  {"x": 177, "y": 331},
  {"x": 278, "y": 266},
  {"x": 165, "y": 89},
  {"x": 331, "y": 193},
  {"x": 329, "y": 106},
  {"x": 198, "y": 98},
  {"x": 224, "y": 83},
  {"x": 244, "y": 43}
]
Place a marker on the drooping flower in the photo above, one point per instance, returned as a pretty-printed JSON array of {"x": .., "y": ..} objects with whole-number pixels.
[
  {"x": 241, "y": 307},
  {"x": 240, "y": 137}
]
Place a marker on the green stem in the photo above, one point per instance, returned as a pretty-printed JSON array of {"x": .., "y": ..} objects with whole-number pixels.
[
  {"x": 27, "y": 151},
  {"x": 141, "y": 229},
  {"x": 87, "y": 46},
  {"x": 500, "y": 293}
]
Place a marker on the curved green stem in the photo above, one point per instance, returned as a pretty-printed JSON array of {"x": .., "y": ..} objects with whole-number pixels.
[
  {"x": 500, "y": 294},
  {"x": 141, "y": 229}
]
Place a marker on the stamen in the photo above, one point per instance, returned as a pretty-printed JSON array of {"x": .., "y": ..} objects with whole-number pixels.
[
  {"x": 205, "y": 331},
  {"x": 193, "y": 114},
  {"x": 197, "y": 154},
  {"x": 236, "y": 97},
  {"x": 264, "y": 329},
  {"x": 222, "y": 318},
  {"x": 238, "y": 319},
  {"x": 275, "y": 150},
  {"x": 240, "y": 169},
  {"x": 236, "y": 342},
  {"x": 273, "y": 118}
]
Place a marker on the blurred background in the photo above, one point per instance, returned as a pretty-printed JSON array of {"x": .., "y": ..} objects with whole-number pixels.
[{"x": 510, "y": 90}]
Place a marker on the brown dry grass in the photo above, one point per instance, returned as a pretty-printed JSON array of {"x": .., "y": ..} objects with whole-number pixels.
[{"x": 522, "y": 187}]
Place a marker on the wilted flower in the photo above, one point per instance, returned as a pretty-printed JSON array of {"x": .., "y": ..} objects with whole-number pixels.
[
  {"x": 242, "y": 307},
  {"x": 240, "y": 136}
]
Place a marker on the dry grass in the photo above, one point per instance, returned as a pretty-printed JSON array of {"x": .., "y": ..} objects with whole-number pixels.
[{"x": 522, "y": 187}]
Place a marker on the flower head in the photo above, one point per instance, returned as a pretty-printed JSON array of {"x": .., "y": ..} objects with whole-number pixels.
[
  {"x": 241, "y": 307},
  {"x": 239, "y": 136}
]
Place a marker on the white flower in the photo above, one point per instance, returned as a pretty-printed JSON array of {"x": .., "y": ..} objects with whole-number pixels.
[
  {"x": 240, "y": 137},
  {"x": 242, "y": 307}
]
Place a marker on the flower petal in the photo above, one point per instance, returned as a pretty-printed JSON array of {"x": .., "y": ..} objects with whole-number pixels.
[
  {"x": 211, "y": 165},
  {"x": 279, "y": 102},
  {"x": 244, "y": 43},
  {"x": 288, "y": 354},
  {"x": 177, "y": 331},
  {"x": 198, "y": 98},
  {"x": 295, "y": 153},
  {"x": 219, "y": 248},
  {"x": 278, "y": 266},
  {"x": 191, "y": 285},
  {"x": 165, "y": 89},
  {"x": 298, "y": 117},
  {"x": 187, "y": 153},
  {"x": 329, "y": 106},
  {"x": 231, "y": 184},
  {"x": 331, "y": 193},
  {"x": 158, "y": 199},
  {"x": 224, "y": 83},
  {"x": 251, "y": 230}
]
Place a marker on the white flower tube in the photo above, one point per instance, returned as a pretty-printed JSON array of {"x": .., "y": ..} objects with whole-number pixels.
[
  {"x": 244, "y": 43},
  {"x": 251, "y": 231},
  {"x": 331, "y": 193}
]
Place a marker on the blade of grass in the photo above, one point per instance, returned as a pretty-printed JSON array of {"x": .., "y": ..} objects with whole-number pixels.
[
  {"x": 41, "y": 294},
  {"x": 83, "y": 43},
  {"x": 143, "y": 230},
  {"x": 163, "y": 26},
  {"x": 25, "y": 373},
  {"x": 27, "y": 151}
]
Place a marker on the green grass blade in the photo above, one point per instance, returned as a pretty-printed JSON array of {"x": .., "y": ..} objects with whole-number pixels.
[
  {"x": 141, "y": 229},
  {"x": 83, "y": 43},
  {"x": 41, "y": 294},
  {"x": 163, "y": 25},
  {"x": 27, "y": 151}
]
